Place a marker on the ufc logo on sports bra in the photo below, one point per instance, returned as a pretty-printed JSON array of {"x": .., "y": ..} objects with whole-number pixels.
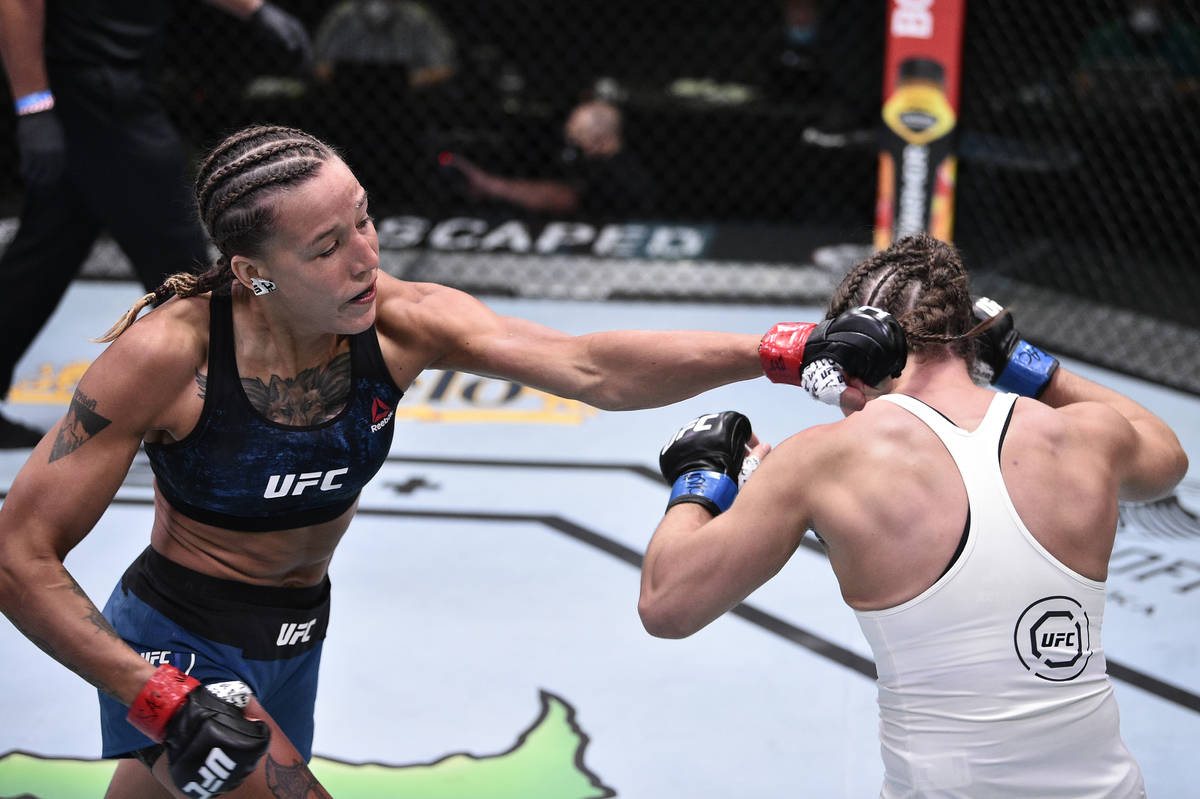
[{"x": 280, "y": 485}]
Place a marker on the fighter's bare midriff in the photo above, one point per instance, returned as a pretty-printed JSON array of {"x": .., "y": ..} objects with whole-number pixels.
[{"x": 284, "y": 558}]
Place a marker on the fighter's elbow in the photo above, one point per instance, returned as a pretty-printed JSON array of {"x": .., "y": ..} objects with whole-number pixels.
[
  {"x": 1182, "y": 464},
  {"x": 663, "y": 621},
  {"x": 1169, "y": 469}
]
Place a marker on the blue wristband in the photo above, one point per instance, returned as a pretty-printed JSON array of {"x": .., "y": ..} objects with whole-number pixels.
[
  {"x": 1027, "y": 372},
  {"x": 711, "y": 489},
  {"x": 32, "y": 103}
]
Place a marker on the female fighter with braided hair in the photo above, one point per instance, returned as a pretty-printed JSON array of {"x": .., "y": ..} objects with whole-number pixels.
[
  {"x": 264, "y": 392},
  {"x": 969, "y": 529}
]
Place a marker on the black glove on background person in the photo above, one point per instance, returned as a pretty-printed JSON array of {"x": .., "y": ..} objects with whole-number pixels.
[
  {"x": 703, "y": 460},
  {"x": 289, "y": 32},
  {"x": 42, "y": 147}
]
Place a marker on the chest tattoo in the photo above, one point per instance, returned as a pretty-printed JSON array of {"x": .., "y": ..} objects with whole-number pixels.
[{"x": 311, "y": 397}]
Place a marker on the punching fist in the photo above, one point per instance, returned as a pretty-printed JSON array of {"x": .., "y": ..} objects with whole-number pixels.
[
  {"x": 211, "y": 746},
  {"x": 1005, "y": 359},
  {"x": 703, "y": 460},
  {"x": 863, "y": 342}
]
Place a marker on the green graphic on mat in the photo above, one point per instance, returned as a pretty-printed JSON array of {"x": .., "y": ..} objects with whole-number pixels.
[{"x": 546, "y": 762}]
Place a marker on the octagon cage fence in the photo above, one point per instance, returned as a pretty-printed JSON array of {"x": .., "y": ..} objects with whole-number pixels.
[{"x": 753, "y": 128}]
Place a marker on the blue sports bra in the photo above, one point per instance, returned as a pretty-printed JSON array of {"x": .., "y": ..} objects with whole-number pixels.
[{"x": 241, "y": 471}]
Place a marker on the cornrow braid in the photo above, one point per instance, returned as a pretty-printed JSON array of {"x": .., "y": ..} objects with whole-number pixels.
[
  {"x": 922, "y": 282},
  {"x": 217, "y": 155},
  {"x": 257, "y": 157},
  {"x": 234, "y": 187}
]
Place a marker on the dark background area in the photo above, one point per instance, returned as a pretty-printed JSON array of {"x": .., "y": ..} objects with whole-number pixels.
[{"x": 1095, "y": 194}]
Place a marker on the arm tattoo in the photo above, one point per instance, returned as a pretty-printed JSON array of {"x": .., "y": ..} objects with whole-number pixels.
[
  {"x": 292, "y": 782},
  {"x": 98, "y": 621},
  {"x": 94, "y": 615},
  {"x": 81, "y": 423},
  {"x": 310, "y": 397}
]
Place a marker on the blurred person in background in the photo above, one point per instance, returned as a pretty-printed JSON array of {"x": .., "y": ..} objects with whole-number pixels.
[
  {"x": 601, "y": 177},
  {"x": 807, "y": 68},
  {"x": 795, "y": 71},
  {"x": 385, "y": 71},
  {"x": 400, "y": 32},
  {"x": 1148, "y": 50},
  {"x": 98, "y": 152}
]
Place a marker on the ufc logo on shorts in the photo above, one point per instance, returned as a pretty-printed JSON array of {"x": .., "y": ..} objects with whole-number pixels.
[
  {"x": 156, "y": 658},
  {"x": 698, "y": 425},
  {"x": 212, "y": 775},
  {"x": 292, "y": 633},
  {"x": 280, "y": 485}
]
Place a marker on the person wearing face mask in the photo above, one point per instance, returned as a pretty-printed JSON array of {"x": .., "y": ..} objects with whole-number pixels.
[
  {"x": 386, "y": 32},
  {"x": 600, "y": 176},
  {"x": 795, "y": 68},
  {"x": 1149, "y": 45}
]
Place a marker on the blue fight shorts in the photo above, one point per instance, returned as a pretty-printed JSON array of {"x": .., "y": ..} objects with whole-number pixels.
[{"x": 217, "y": 630}]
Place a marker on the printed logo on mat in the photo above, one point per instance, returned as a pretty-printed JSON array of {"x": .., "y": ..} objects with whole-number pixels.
[{"x": 1053, "y": 638}]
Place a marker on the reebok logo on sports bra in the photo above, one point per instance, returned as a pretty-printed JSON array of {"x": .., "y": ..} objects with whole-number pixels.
[{"x": 381, "y": 414}]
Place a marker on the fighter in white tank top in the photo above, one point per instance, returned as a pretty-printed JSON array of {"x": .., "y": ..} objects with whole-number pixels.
[{"x": 992, "y": 681}]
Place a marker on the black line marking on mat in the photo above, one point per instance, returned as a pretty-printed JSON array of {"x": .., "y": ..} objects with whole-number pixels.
[
  {"x": 828, "y": 649},
  {"x": 760, "y": 618},
  {"x": 637, "y": 468},
  {"x": 766, "y": 621}
]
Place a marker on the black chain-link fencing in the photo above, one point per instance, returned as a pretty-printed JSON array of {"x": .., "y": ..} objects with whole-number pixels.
[
  {"x": 1081, "y": 152},
  {"x": 748, "y": 141}
]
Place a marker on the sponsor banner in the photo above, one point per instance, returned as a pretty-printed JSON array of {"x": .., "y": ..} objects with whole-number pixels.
[
  {"x": 917, "y": 164},
  {"x": 520, "y": 236},
  {"x": 664, "y": 241}
]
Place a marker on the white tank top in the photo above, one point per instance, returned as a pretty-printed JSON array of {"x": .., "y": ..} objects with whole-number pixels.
[{"x": 992, "y": 681}]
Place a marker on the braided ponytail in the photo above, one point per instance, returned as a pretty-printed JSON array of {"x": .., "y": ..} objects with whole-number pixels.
[{"x": 235, "y": 186}]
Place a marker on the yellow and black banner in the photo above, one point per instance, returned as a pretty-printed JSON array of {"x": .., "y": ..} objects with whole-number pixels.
[{"x": 917, "y": 161}]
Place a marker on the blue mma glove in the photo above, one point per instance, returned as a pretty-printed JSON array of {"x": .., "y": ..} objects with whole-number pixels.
[
  {"x": 703, "y": 460},
  {"x": 1009, "y": 362}
]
